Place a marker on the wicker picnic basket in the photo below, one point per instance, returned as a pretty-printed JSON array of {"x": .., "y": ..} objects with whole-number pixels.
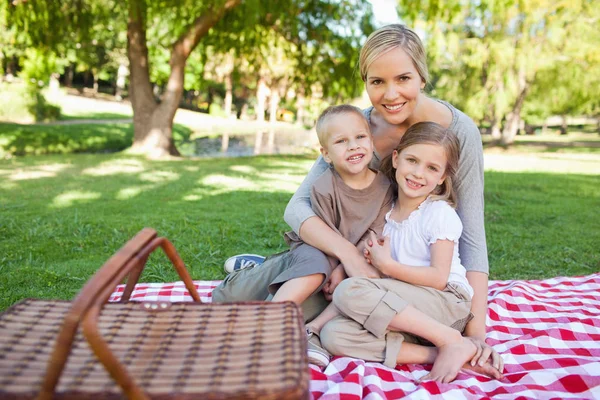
[{"x": 93, "y": 349}]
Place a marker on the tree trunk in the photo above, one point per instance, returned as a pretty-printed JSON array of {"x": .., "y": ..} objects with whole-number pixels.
[
  {"x": 273, "y": 106},
  {"x": 69, "y": 76},
  {"x": 95, "y": 87},
  {"x": 86, "y": 78},
  {"x": 228, "y": 94},
  {"x": 225, "y": 142},
  {"x": 261, "y": 100},
  {"x": 153, "y": 123},
  {"x": 300, "y": 103},
  {"x": 513, "y": 119},
  {"x": 564, "y": 126},
  {"x": 122, "y": 74}
]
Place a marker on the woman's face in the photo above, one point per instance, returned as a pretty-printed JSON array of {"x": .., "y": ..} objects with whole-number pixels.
[{"x": 394, "y": 86}]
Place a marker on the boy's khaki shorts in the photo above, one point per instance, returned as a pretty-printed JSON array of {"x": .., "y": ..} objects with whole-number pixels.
[{"x": 368, "y": 306}]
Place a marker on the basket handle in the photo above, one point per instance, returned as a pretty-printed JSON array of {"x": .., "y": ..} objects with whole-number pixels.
[{"x": 86, "y": 307}]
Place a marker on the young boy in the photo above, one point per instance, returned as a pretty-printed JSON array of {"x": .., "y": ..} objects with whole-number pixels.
[{"x": 349, "y": 197}]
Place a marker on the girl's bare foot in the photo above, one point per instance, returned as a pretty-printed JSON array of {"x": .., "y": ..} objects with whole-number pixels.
[{"x": 451, "y": 357}]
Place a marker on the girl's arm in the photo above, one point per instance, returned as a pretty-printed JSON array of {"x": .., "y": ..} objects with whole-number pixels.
[
  {"x": 436, "y": 276},
  {"x": 313, "y": 231}
]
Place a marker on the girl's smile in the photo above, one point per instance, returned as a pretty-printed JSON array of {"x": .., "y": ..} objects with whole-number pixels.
[{"x": 419, "y": 169}]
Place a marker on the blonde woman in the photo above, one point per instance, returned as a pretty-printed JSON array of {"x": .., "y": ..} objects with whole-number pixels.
[{"x": 394, "y": 69}]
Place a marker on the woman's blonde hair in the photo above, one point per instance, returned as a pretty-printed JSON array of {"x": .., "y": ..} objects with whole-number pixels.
[
  {"x": 429, "y": 133},
  {"x": 389, "y": 37}
]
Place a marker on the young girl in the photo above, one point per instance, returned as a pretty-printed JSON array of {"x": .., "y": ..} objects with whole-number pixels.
[{"x": 426, "y": 294}]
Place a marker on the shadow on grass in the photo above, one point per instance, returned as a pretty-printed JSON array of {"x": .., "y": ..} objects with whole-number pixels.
[
  {"x": 94, "y": 116},
  {"x": 209, "y": 210},
  {"x": 16, "y": 139},
  {"x": 58, "y": 229}
]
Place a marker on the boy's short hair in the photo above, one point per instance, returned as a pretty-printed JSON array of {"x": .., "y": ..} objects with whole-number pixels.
[{"x": 330, "y": 112}]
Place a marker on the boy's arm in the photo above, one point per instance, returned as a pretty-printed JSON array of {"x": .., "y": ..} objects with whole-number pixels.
[{"x": 324, "y": 205}]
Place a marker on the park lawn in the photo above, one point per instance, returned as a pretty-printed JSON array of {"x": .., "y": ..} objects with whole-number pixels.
[
  {"x": 24, "y": 139},
  {"x": 94, "y": 116},
  {"x": 61, "y": 217}
]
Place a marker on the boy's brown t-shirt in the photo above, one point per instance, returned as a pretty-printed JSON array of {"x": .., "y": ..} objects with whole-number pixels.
[{"x": 350, "y": 212}]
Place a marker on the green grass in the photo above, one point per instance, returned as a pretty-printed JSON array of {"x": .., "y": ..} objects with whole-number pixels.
[
  {"x": 16, "y": 139},
  {"x": 94, "y": 116},
  {"x": 61, "y": 217},
  {"x": 541, "y": 225}
]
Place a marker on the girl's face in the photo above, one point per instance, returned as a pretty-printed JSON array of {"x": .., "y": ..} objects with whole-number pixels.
[
  {"x": 394, "y": 86},
  {"x": 419, "y": 169}
]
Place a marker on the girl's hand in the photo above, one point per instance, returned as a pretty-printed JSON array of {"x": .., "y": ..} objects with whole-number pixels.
[
  {"x": 378, "y": 252},
  {"x": 484, "y": 353}
]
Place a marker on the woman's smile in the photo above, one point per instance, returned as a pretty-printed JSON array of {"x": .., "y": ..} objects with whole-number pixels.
[
  {"x": 394, "y": 107},
  {"x": 394, "y": 85}
]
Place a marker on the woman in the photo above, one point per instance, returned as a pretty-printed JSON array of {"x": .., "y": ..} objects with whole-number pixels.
[{"x": 393, "y": 67}]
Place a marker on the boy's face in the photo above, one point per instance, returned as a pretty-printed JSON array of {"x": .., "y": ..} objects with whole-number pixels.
[{"x": 349, "y": 146}]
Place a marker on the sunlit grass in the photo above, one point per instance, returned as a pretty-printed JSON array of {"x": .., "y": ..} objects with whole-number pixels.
[{"x": 58, "y": 227}]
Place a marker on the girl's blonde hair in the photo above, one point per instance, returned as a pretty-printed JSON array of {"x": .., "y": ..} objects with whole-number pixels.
[
  {"x": 429, "y": 133},
  {"x": 389, "y": 37}
]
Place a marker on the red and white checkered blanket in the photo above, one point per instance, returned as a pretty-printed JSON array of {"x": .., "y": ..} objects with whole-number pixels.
[{"x": 548, "y": 333}]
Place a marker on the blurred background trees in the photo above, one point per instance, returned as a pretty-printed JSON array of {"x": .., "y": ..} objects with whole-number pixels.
[{"x": 509, "y": 65}]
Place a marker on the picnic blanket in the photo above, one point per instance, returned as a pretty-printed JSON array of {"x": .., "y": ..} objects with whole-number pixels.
[{"x": 548, "y": 332}]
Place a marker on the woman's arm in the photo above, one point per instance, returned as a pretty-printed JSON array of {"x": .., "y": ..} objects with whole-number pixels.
[
  {"x": 299, "y": 208},
  {"x": 472, "y": 244},
  {"x": 479, "y": 282},
  {"x": 300, "y": 216}
]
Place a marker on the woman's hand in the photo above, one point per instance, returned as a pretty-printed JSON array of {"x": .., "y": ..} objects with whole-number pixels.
[{"x": 484, "y": 353}]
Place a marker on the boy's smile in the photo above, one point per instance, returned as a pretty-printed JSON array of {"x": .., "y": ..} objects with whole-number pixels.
[{"x": 349, "y": 146}]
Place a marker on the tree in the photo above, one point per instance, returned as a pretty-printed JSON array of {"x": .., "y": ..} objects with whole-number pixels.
[
  {"x": 184, "y": 23},
  {"x": 487, "y": 56}
]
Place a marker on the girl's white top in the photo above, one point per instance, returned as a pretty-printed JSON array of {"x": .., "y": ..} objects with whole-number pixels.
[{"x": 410, "y": 240}]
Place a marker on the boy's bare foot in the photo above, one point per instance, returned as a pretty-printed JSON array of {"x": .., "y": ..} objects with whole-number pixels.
[{"x": 451, "y": 357}]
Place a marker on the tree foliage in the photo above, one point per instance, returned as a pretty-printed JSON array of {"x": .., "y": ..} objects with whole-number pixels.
[
  {"x": 494, "y": 58},
  {"x": 318, "y": 41}
]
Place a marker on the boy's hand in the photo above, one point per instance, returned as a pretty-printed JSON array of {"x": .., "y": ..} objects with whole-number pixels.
[
  {"x": 335, "y": 278},
  {"x": 378, "y": 252},
  {"x": 357, "y": 266}
]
